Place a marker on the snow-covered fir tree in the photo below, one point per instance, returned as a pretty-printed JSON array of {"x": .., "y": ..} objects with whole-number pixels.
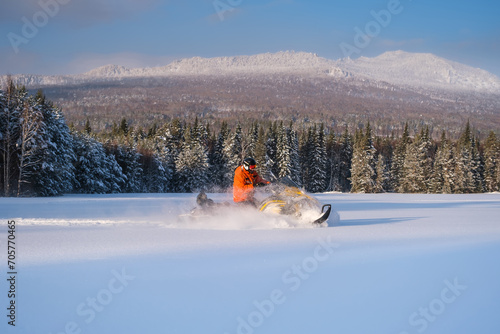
[
  {"x": 497, "y": 175},
  {"x": 363, "y": 162},
  {"x": 467, "y": 164},
  {"x": 251, "y": 142},
  {"x": 233, "y": 150},
  {"x": 304, "y": 151},
  {"x": 417, "y": 166},
  {"x": 339, "y": 161},
  {"x": 260, "y": 153},
  {"x": 166, "y": 158},
  {"x": 317, "y": 160},
  {"x": 95, "y": 171},
  {"x": 157, "y": 162},
  {"x": 491, "y": 162},
  {"x": 123, "y": 129},
  {"x": 398, "y": 160},
  {"x": 443, "y": 175},
  {"x": 271, "y": 149},
  {"x": 129, "y": 160},
  {"x": 478, "y": 166},
  {"x": 287, "y": 156},
  {"x": 56, "y": 174},
  {"x": 346, "y": 151},
  {"x": 156, "y": 174},
  {"x": 87, "y": 129},
  {"x": 294, "y": 156},
  {"x": 283, "y": 153},
  {"x": 169, "y": 138},
  {"x": 36, "y": 146},
  {"x": 381, "y": 178},
  {"x": 218, "y": 164},
  {"x": 385, "y": 149},
  {"x": 192, "y": 163},
  {"x": 333, "y": 162}
]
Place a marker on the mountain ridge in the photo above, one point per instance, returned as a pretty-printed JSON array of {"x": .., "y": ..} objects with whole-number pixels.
[{"x": 399, "y": 68}]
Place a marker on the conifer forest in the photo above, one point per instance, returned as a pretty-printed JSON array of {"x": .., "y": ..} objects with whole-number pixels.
[{"x": 40, "y": 155}]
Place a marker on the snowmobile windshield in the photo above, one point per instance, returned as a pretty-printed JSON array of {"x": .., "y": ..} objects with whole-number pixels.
[{"x": 286, "y": 181}]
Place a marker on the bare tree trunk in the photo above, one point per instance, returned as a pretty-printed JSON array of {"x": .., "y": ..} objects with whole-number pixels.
[{"x": 7, "y": 143}]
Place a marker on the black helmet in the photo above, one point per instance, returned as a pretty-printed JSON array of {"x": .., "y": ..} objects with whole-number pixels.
[{"x": 249, "y": 164}]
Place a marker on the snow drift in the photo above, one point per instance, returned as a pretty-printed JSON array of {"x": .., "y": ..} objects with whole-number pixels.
[{"x": 395, "y": 264}]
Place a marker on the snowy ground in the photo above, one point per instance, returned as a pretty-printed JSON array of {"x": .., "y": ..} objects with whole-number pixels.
[{"x": 124, "y": 264}]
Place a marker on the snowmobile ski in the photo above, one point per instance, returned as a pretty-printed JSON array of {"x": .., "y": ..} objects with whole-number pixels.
[{"x": 324, "y": 215}]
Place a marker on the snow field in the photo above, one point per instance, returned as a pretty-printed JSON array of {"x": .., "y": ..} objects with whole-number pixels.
[{"x": 125, "y": 264}]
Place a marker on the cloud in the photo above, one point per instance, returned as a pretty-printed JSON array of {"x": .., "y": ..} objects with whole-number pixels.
[
  {"x": 80, "y": 13},
  {"x": 223, "y": 10},
  {"x": 221, "y": 14}
]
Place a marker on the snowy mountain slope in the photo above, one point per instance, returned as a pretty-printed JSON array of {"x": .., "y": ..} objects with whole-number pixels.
[
  {"x": 396, "y": 264},
  {"x": 288, "y": 62},
  {"x": 108, "y": 71},
  {"x": 398, "y": 68},
  {"x": 282, "y": 62},
  {"x": 422, "y": 70}
]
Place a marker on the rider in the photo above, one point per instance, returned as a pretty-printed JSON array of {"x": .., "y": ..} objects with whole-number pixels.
[{"x": 245, "y": 179}]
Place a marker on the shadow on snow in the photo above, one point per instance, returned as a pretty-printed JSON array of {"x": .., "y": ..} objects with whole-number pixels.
[{"x": 375, "y": 221}]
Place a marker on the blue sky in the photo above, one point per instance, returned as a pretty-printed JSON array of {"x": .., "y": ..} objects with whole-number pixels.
[{"x": 74, "y": 36}]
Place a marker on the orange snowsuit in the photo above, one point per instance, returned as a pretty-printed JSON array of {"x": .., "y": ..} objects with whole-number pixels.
[{"x": 243, "y": 185}]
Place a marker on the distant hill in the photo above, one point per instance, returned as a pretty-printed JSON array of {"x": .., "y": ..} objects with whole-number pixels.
[
  {"x": 397, "y": 68},
  {"x": 422, "y": 70}
]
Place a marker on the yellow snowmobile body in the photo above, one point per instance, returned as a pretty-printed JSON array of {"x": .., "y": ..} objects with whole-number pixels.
[{"x": 288, "y": 199}]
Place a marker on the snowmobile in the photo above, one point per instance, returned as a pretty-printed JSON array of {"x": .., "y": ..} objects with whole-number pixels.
[
  {"x": 288, "y": 199},
  {"x": 281, "y": 197}
]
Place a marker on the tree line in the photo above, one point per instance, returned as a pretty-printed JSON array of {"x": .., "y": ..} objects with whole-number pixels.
[{"x": 41, "y": 156}]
